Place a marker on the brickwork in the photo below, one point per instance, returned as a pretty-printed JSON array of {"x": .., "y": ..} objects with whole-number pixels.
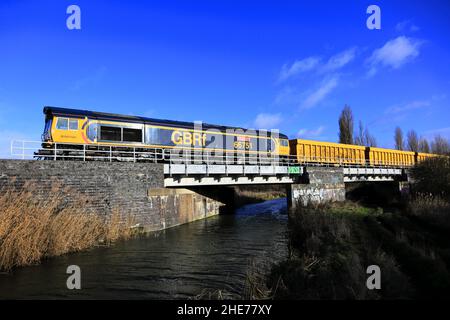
[{"x": 102, "y": 187}]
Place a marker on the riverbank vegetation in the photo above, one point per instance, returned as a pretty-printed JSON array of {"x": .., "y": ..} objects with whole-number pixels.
[
  {"x": 332, "y": 245},
  {"x": 253, "y": 194},
  {"x": 35, "y": 228}
]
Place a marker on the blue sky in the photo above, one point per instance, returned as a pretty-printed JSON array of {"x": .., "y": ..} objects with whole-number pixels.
[{"x": 290, "y": 65}]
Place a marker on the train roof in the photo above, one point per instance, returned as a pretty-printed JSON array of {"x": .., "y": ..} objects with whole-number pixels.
[{"x": 57, "y": 111}]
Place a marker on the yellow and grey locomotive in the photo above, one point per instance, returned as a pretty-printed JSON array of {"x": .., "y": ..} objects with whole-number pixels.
[{"x": 72, "y": 129}]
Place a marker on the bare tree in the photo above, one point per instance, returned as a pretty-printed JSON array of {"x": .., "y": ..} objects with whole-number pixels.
[
  {"x": 398, "y": 137},
  {"x": 359, "y": 137},
  {"x": 364, "y": 137},
  {"x": 440, "y": 145},
  {"x": 346, "y": 126},
  {"x": 423, "y": 145},
  {"x": 412, "y": 141},
  {"x": 369, "y": 139}
]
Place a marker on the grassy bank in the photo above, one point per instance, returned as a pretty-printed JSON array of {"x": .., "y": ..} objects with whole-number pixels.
[
  {"x": 33, "y": 229},
  {"x": 332, "y": 245},
  {"x": 253, "y": 194}
]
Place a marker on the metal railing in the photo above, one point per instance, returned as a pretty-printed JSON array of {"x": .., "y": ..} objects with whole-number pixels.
[{"x": 24, "y": 149}]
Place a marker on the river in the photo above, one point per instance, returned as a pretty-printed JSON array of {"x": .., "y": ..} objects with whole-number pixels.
[{"x": 195, "y": 259}]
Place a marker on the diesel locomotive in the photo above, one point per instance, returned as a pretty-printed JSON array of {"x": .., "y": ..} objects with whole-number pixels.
[{"x": 69, "y": 129}]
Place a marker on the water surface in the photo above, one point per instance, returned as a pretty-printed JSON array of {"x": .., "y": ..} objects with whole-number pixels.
[{"x": 181, "y": 262}]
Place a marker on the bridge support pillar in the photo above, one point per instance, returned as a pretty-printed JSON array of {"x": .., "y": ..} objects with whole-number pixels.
[
  {"x": 178, "y": 206},
  {"x": 318, "y": 185}
]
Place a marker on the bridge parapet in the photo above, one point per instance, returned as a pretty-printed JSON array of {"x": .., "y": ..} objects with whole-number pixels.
[
  {"x": 373, "y": 174},
  {"x": 177, "y": 175},
  {"x": 229, "y": 169}
]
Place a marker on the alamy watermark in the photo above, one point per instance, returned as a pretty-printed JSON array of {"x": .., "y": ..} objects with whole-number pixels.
[
  {"x": 74, "y": 280},
  {"x": 374, "y": 280},
  {"x": 73, "y": 22},
  {"x": 374, "y": 20}
]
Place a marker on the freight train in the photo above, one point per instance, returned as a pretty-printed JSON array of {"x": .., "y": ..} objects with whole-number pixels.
[
  {"x": 318, "y": 152},
  {"x": 69, "y": 133}
]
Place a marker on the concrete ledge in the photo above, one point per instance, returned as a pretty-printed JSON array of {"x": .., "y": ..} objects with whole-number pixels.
[
  {"x": 202, "y": 169},
  {"x": 251, "y": 170},
  {"x": 235, "y": 169},
  {"x": 167, "y": 192},
  {"x": 196, "y": 169},
  {"x": 372, "y": 171},
  {"x": 281, "y": 170},
  {"x": 226, "y": 180},
  {"x": 174, "y": 169},
  {"x": 267, "y": 170},
  {"x": 216, "y": 169},
  {"x": 371, "y": 178}
]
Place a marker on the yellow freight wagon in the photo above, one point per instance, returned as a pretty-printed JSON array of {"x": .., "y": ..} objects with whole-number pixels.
[
  {"x": 421, "y": 156},
  {"x": 309, "y": 151},
  {"x": 390, "y": 157}
]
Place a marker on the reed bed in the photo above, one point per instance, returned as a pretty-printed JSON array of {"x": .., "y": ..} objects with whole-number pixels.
[{"x": 34, "y": 227}]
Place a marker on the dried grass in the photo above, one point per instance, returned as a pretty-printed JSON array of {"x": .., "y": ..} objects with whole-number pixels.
[
  {"x": 33, "y": 228},
  {"x": 432, "y": 209},
  {"x": 256, "y": 281}
]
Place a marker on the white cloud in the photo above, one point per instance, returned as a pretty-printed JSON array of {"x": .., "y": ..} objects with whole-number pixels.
[
  {"x": 339, "y": 60},
  {"x": 267, "y": 121},
  {"x": 298, "y": 67},
  {"x": 414, "y": 105},
  {"x": 308, "y": 134},
  {"x": 326, "y": 87},
  {"x": 406, "y": 26},
  {"x": 324, "y": 81},
  {"x": 313, "y": 63},
  {"x": 395, "y": 53}
]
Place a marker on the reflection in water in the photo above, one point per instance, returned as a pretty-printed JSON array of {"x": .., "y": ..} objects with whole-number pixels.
[{"x": 181, "y": 262}]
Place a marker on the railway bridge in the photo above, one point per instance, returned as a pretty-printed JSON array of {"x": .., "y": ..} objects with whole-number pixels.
[{"x": 161, "y": 191}]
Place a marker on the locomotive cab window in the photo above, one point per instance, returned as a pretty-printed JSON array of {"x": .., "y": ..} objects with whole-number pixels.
[
  {"x": 132, "y": 135},
  {"x": 67, "y": 124},
  {"x": 62, "y": 124},
  {"x": 73, "y": 124},
  {"x": 284, "y": 143},
  {"x": 110, "y": 133}
]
